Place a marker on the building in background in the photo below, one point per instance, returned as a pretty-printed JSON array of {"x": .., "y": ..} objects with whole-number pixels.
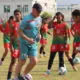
[
  {"x": 67, "y": 10},
  {"x": 8, "y": 6}
]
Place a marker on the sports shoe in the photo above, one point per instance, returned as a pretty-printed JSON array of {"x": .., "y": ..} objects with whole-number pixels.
[
  {"x": 47, "y": 72},
  {"x": 14, "y": 79},
  {"x": 0, "y": 62},
  {"x": 44, "y": 55},
  {"x": 21, "y": 78}
]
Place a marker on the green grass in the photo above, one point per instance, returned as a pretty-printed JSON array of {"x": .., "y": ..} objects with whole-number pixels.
[{"x": 41, "y": 67}]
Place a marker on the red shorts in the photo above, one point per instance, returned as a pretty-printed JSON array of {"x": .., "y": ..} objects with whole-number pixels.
[
  {"x": 59, "y": 47},
  {"x": 15, "y": 53},
  {"x": 76, "y": 44},
  {"x": 67, "y": 47},
  {"x": 43, "y": 41},
  {"x": 7, "y": 45}
]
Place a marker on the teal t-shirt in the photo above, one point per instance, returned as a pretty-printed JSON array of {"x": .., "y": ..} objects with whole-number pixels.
[{"x": 30, "y": 26}]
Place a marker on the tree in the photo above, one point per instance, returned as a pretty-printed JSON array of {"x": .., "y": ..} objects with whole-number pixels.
[{"x": 46, "y": 15}]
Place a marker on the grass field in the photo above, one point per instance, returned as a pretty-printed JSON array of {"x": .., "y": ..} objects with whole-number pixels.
[{"x": 41, "y": 67}]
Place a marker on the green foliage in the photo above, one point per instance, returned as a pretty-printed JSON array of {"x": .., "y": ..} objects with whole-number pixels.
[{"x": 46, "y": 15}]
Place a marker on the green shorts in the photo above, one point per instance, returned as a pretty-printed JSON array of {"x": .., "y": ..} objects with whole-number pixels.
[
  {"x": 15, "y": 44},
  {"x": 6, "y": 39}
]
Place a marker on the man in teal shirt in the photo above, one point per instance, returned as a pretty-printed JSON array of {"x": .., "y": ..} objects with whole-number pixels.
[{"x": 29, "y": 29}]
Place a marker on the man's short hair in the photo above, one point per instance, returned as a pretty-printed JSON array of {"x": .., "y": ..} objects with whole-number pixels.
[{"x": 38, "y": 7}]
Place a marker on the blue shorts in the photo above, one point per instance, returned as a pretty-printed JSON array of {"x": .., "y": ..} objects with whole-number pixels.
[{"x": 28, "y": 50}]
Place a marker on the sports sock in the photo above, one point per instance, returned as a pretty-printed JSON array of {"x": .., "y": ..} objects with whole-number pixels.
[
  {"x": 9, "y": 75},
  {"x": 71, "y": 61}
]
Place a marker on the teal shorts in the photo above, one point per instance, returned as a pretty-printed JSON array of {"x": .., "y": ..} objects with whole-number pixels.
[{"x": 28, "y": 50}]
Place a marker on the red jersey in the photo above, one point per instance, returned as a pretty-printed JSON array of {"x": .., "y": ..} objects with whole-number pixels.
[
  {"x": 14, "y": 29},
  {"x": 60, "y": 29},
  {"x": 5, "y": 28},
  {"x": 76, "y": 32},
  {"x": 76, "y": 28},
  {"x": 44, "y": 28}
]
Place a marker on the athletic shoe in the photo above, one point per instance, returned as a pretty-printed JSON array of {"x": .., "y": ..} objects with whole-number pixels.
[
  {"x": 21, "y": 78},
  {"x": 44, "y": 55},
  {"x": 47, "y": 73},
  {"x": 15, "y": 79}
]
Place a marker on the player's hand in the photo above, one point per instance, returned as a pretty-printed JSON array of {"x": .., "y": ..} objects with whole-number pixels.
[
  {"x": 54, "y": 18},
  {"x": 31, "y": 41}
]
